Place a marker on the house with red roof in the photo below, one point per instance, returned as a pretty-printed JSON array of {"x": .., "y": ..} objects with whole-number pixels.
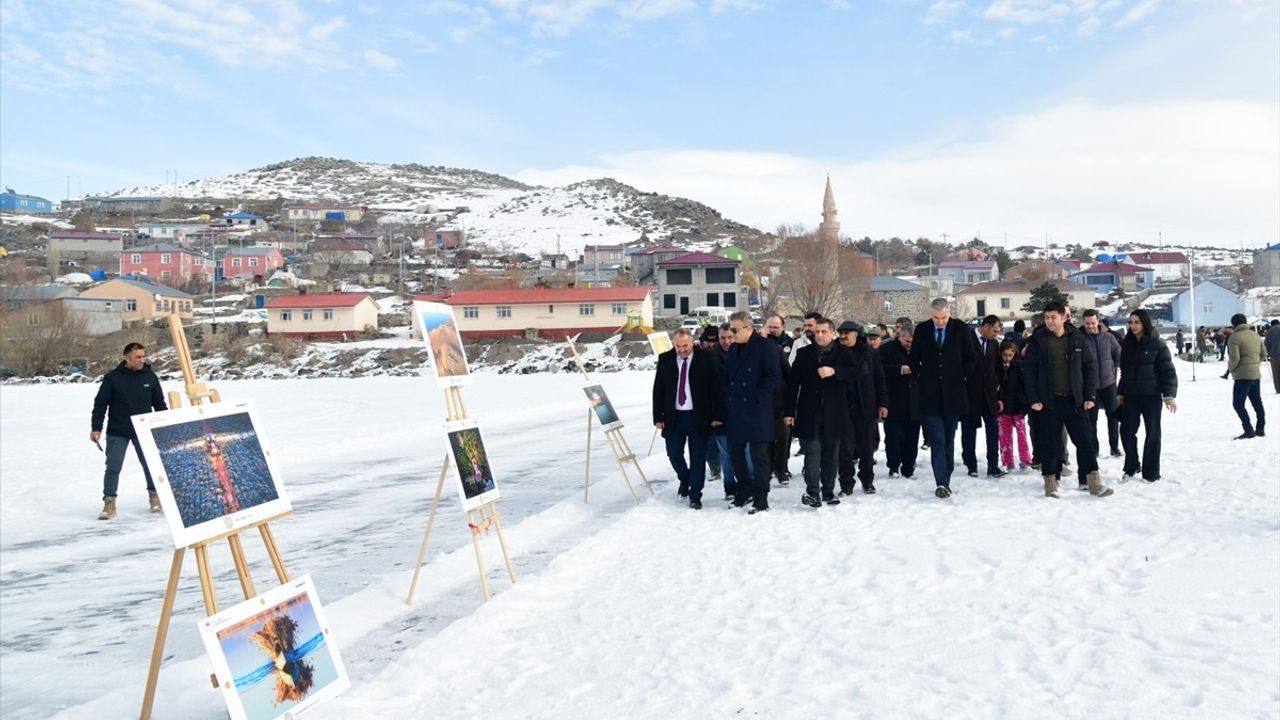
[
  {"x": 1167, "y": 265},
  {"x": 697, "y": 280},
  {"x": 546, "y": 312},
  {"x": 167, "y": 263},
  {"x": 324, "y": 315}
]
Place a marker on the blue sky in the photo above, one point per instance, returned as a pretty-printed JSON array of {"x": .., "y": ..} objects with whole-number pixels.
[{"x": 1069, "y": 119}]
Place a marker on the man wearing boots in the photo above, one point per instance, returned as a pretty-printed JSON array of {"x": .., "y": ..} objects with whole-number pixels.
[
  {"x": 1061, "y": 387},
  {"x": 687, "y": 405},
  {"x": 780, "y": 448},
  {"x": 753, "y": 373},
  {"x": 868, "y": 404},
  {"x": 130, "y": 389}
]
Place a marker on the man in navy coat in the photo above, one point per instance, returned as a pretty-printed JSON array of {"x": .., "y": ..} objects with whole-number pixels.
[
  {"x": 942, "y": 355},
  {"x": 753, "y": 371}
]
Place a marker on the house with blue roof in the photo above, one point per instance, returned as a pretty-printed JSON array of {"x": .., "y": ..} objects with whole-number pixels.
[{"x": 14, "y": 202}]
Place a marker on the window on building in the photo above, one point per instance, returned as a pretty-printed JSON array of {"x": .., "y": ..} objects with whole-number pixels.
[
  {"x": 669, "y": 302},
  {"x": 1004, "y": 303},
  {"x": 328, "y": 314},
  {"x": 131, "y": 306},
  {"x": 731, "y": 299},
  {"x": 165, "y": 275},
  {"x": 619, "y": 309},
  {"x": 1208, "y": 307},
  {"x": 164, "y": 305},
  {"x": 306, "y": 314},
  {"x": 109, "y": 305},
  {"x": 585, "y": 309},
  {"x": 551, "y": 309},
  {"x": 235, "y": 262},
  {"x": 286, "y": 316},
  {"x": 713, "y": 299},
  {"x": 680, "y": 276},
  {"x": 721, "y": 276},
  {"x": 253, "y": 262},
  {"x": 471, "y": 312},
  {"x": 135, "y": 258},
  {"x": 165, "y": 258},
  {"x": 504, "y": 311},
  {"x": 33, "y": 319}
]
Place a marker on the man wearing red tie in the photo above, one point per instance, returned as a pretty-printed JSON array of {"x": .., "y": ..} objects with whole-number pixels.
[{"x": 687, "y": 403}]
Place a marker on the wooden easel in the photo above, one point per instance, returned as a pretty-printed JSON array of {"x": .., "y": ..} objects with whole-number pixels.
[
  {"x": 622, "y": 453},
  {"x": 486, "y": 516},
  {"x": 196, "y": 394}
]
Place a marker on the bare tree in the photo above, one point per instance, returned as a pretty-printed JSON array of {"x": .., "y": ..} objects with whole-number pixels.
[
  {"x": 40, "y": 338},
  {"x": 806, "y": 281}
]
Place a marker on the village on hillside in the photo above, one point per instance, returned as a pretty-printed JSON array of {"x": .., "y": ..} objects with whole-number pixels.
[{"x": 265, "y": 277}]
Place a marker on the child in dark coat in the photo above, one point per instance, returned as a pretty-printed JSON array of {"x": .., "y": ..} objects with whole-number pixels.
[{"x": 1013, "y": 407}]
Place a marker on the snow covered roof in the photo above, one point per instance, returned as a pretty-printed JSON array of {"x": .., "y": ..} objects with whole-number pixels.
[
  {"x": 1118, "y": 268},
  {"x": 322, "y": 300},
  {"x": 968, "y": 264},
  {"x": 1160, "y": 258},
  {"x": 162, "y": 247},
  {"x": 142, "y": 283},
  {"x": 888, "y": 283}
]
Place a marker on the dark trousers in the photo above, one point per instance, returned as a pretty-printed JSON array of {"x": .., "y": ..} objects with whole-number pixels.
[
  {"x": 1061, "y": 412},
  {"x": 820, "y": 466},
  {"x": 1107, "y": 403},
  {"x": 677, "y": 435},
  {"x": 858, "y": 447},
  {"x": 901, "y": 444},
  {"x": 940, "y": 432},
  {"x": 969, "y": 440},
  {"x": 1251, "y": 390},
  {"x": 1144, "y": 408},
  {"x": 713, "y": 457},
  {"x": 116, "y": 449},
  {"x": 1275, "y": 371},
  {"x": 780, "y": 452},
  {"x": 753, "y": 480}
]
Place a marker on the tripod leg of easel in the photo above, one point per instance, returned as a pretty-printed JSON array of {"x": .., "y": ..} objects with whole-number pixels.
[
  {"x": 206, "y": 580},
  {"x": 586, "y": 479},
  {"x": 626, "y": 446},
  {"x": 616, "y": 444},
  {"x": 162, "y": 633},
  {"x": 502, "y": 543},
  {"x": 274, "y": 553},
  {"x": 426, "y": 536},
  {"x": 242, "y": 566},
  {"x": 654, "y": 440},
  {"x": 475, "y": 543}
]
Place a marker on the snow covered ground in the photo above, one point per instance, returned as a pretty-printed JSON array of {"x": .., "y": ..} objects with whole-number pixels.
[{"x": 1161, "y": 601}]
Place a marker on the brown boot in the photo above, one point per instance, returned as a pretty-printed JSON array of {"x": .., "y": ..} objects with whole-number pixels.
[
  {"x": 108, "y": 509},
  {"x": 1051, "y": 486},
  {"x": 1096, "y": 488},
  {"x": 154, "y": 499}
]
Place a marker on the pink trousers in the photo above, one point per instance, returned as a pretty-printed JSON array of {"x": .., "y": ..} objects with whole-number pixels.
[{"x": 1013, "y": 426}]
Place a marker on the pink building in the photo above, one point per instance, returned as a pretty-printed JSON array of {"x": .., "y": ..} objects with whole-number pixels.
[
  {"x": 166, "y": 264},
  {"x": 248, "y": 263}
]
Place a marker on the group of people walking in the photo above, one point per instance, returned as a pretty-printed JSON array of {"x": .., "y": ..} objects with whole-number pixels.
[{"x": 737, "y": 397}]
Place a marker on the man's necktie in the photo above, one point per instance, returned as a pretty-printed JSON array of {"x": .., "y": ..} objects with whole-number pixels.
[
  {"x": 682, "y": 394},
  {"x": 937, "y": 336}
]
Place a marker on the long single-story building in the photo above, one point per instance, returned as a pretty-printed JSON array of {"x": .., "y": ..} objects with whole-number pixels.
[
  {"x": 325, "y": 315},
  {"x": 546, "y": 312}
]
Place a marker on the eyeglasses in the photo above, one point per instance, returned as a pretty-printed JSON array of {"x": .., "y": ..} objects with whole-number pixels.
[{"x": 738, "y": 329}]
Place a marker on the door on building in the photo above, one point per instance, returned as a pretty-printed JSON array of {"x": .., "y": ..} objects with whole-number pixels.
[
  {"x": 684, "y": 305},
  {"x": 982, "y": 308}
]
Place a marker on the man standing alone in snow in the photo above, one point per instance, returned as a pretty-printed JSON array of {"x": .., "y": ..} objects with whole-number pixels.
[{"x": 130, "y": 389}]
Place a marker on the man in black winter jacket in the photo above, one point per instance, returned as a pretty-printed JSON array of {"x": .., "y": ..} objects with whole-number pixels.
[
  {"x": 1062, "y": 387},
  {"x": 130, "y": 389}
]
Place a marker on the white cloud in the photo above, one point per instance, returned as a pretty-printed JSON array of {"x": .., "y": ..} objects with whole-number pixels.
[
  {"x": 654, "y": 9},
  {"x": 1089, "y": 26},
  {"x": 380, "y": 60},
  {"x": 1138, "y": 12},
  {"x": 1027, "y": 12},
  {"x": 326, "y": 29},
  {"x": 1202, "y": 172},
  {"x": 942, "y": 11},
  {"x": 963, "y": 37},
  {"x": 723, "y": 6}
]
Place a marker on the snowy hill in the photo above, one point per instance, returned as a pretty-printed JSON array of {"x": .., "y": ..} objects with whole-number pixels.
[{"x": 500, "y": 212}]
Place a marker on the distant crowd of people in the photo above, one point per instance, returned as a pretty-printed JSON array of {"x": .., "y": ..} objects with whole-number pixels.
[{"x": 730, "y": 402}]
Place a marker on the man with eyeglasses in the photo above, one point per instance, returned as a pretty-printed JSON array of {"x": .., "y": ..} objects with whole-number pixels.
[
  {"x": 754, "y": 372},
  {"x": 780, "y": 448}
]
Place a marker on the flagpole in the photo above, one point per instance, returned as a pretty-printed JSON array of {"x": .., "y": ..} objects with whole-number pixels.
[{"x": 1191, "y": 279}]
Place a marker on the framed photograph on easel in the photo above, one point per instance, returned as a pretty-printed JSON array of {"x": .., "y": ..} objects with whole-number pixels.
[
  {"x": 660, "y": 341},
  {"x": 273, "y": 655},
  {"x": 213, "y": 469},
  {"x": 476, "y": 484},
  {"x": 600, "y": 404},
  {"x": 439, "y": 327}
]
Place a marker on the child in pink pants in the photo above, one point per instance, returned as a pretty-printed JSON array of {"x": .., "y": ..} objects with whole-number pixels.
[{"x": 1013, "y": 408}]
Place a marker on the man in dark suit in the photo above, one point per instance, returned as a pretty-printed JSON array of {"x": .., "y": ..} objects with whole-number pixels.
[
  {"x": 982, "y": 383},
  {"x": 780, "y": 448},
  {"x": 902, "y": 425},
  {"x": 868, "y": 401},
  {"x": 942, "y": 353},
  {"x": 754, "y": 372},
  {"x": 815, "y": 406},
  {"x": 687, "y": 404}
]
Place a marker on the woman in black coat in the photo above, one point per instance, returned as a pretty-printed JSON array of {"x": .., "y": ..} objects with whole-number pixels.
[{"x": 1147, "y": 381}]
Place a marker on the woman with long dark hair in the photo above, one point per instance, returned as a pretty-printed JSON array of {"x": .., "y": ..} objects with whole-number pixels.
[{"x": 1147, "y": 381}]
